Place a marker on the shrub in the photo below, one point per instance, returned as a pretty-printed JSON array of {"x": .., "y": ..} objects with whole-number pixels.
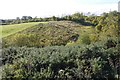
[
  {"x": 77, "y": 62},
  {"x": 85, "y": 39},
  {"x": 99, "y": 27}
]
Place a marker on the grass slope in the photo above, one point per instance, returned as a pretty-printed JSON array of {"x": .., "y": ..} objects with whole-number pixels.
[
  {"x": 41, "y": 35},
  {"x": 11, "y": 29}
]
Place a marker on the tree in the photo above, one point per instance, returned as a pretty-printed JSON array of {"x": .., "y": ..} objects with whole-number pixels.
[
  {"x": 17, "y": 18},
  {"x": 29, "y": 17},
  {"x": 54, "y": 18},
  {"x": 24, "y": 18}
]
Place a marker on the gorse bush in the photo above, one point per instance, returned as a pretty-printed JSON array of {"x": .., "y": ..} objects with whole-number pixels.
[
  {"x": 76, "y": 62},
  {"x": 41, "y": 35},
  {"x": 85, "y": 39},
  {"x": 25, "y": 40}
]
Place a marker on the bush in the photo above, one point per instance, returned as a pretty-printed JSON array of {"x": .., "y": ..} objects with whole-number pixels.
[
  {"x": 77, "y": 62},
  {"x": 85, "y": 39},
  {"x": 99, "y": 27}
]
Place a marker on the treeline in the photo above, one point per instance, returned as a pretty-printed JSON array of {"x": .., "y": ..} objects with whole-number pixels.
[
  {"x": 26, "y": 19},
  {"x": 78, "y": 17}
]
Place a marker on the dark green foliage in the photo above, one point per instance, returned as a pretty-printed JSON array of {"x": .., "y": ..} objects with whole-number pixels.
[
  {"x": 111, "y": 43},
  {"x": 77, "y": 62}
]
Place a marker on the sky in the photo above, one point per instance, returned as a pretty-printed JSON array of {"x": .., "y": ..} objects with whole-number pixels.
[{"x": 10, "y": 9}]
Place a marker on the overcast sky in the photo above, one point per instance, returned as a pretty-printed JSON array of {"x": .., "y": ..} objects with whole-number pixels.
[{"x": 44, "y": 8}]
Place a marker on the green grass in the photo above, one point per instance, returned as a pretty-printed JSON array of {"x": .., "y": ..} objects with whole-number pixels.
[
  {"x": 7, "y": 30},
  {"x": 0, "y": 31}
]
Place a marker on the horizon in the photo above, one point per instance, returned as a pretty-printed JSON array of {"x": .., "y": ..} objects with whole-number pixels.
[
  {"x": 46, "y": 8},
  {"x": 62, "y": 15}
]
